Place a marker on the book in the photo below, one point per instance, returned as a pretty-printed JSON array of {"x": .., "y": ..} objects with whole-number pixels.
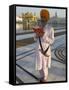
[
  {"x": 39, "y": 31},
  {"x": 23, "y": 49}
]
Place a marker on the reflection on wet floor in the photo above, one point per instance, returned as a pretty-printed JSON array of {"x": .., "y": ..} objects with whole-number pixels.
[{"x": 25, "y": 62}]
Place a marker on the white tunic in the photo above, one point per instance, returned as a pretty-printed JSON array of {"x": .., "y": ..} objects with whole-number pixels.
[{"x": 46, "y": 40}]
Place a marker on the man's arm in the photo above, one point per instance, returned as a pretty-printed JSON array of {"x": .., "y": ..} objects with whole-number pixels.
[{"x": 50, "y": 39}]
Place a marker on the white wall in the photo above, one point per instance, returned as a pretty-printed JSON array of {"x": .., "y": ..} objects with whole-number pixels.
[{"x": 4, "y": 44}]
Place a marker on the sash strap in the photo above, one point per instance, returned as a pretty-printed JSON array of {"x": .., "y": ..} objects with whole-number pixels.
[{"x": 43, "y": 51}]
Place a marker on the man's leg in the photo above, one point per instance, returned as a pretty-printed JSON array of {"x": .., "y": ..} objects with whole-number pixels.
[
  {"x": 45, "y": 69},
  {"x": 41, "y": 74},
  {"x": 46, "y": 74}
]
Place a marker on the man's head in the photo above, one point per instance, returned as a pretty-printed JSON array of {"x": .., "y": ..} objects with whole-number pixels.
[{"x": 44, "y": 14}]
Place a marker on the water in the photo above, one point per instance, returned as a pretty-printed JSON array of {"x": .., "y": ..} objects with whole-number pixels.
[{"x": 25, "y": 36}]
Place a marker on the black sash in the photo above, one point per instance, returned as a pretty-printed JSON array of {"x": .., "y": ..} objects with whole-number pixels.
[{"x": 42, "y": 47}]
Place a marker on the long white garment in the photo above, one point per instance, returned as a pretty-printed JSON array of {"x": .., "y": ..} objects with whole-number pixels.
[{"x": 47, "y": 39}]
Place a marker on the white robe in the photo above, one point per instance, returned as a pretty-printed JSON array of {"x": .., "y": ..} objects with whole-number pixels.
[{"x": 47, "y": 39}]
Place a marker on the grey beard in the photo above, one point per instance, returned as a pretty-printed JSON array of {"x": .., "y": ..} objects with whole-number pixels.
[{"x": 43, "y": 24}]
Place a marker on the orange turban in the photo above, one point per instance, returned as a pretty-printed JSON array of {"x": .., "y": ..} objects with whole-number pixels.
[{"x": 44, "y": 14}]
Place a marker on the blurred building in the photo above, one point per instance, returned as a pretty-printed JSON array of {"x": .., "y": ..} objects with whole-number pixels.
[
  {"x": 57, "y": 21},
  {"x": 27, "y": 20}
]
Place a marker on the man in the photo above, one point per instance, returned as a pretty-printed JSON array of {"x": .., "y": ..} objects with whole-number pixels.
[{"x": 43, "y": 62}]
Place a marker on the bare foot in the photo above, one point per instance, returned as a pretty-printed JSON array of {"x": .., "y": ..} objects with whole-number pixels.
[{"x": 43, "y": 80}]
